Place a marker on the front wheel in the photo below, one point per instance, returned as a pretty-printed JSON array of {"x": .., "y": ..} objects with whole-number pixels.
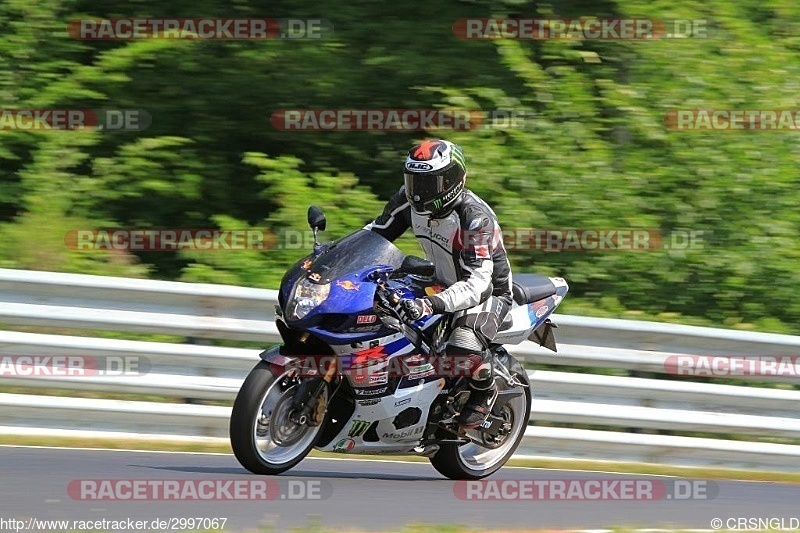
[
  {"x": 472, "y": 461},
  {"x": 263, "y": 437}
]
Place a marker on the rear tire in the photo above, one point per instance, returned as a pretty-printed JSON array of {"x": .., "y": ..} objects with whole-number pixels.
[
  {"x": 264, "y": 387},
  {"x": 456, "y": 462}
]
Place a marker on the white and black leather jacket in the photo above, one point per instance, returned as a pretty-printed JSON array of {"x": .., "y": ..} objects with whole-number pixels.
[{"x": 466, "y": 246}]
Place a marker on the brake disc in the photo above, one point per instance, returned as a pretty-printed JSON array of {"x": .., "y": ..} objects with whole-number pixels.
[{"x": 283, "y": 430}]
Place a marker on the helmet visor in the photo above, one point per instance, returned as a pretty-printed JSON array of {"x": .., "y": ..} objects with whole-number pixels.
[{"x": 422, "y": 188}]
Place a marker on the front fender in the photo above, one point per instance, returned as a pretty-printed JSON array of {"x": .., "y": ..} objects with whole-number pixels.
[{"x": 274, "y": 356}]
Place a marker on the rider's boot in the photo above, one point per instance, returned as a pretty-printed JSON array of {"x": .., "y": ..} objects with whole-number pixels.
[{"x": 483, "y": 393}]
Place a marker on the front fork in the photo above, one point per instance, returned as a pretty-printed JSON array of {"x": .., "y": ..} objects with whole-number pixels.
[{"x": 306, "y": 405}]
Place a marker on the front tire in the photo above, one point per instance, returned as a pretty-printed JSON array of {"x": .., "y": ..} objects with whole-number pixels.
[
  {"x": 471, "y": 461},
  {"x": 263, "y": 439}
]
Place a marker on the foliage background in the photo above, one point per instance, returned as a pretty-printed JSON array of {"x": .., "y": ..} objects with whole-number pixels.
[{"x": 596, "y": 155}]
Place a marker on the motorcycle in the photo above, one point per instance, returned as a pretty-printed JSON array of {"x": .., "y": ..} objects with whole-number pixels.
[{"x": 352, "y": 377}]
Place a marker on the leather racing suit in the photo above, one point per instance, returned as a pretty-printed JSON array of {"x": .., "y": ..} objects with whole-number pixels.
[{"x": 466, "y": 247}]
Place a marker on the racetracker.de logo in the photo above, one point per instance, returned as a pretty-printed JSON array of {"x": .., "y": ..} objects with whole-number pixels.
[
  {"x": 198, "y": 489},
  {"x": 74, "y": 119},
  {"x": 605, "y": 489},
  {"x": 70, "y": 366},
  {"x": 583, "y": 29},
  {"x": 170, "y": 240},
  {"x": 580, "y": 240},
  {"x": 397, "y": 119},
  {"x": 373, "y": 365},
  {"x": 732, "y": 119},
  {"x": 732, "y": 366},
  {"x": 225, "y": 29}
]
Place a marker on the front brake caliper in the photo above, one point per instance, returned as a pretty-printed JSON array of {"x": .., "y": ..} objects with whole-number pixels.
[
  {"x": 319, "y": 414},
  {"x": 305, "y": 400}
]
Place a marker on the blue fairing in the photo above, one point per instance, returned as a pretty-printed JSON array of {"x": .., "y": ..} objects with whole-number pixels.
[
  {"x": 348, "y": 338},
  {"x": 347, "y": 271},
  {"x": 351, "y": 295}
]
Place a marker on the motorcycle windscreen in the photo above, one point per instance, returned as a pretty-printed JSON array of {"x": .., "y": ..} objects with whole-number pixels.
[{"x": 357, "y": 251}]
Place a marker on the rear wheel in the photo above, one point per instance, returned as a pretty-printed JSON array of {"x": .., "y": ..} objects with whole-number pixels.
[
  {"x": 263, "y": 437},
  {"x": 473, "y": 461}
]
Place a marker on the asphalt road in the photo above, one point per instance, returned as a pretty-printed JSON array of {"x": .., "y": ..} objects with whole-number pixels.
[{"x": 44, "y": 483}]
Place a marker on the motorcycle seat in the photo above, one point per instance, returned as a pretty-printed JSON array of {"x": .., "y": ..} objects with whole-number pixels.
[{"x": 527, "y": 288}]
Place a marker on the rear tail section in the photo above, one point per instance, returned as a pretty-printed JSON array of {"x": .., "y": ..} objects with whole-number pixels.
[{"x": 535, "y": 299}]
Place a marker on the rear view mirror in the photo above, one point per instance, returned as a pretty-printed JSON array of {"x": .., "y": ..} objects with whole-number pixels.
[{"x": 316, "y": 218}]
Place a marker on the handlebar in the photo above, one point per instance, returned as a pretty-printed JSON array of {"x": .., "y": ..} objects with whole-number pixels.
[{"x": 390, "y": 300}]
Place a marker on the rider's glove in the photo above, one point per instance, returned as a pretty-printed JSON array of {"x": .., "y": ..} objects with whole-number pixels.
[{"x": 412, "y": 310}]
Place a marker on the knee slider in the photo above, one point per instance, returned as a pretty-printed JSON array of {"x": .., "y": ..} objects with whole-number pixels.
[{"x": 465, "y": 341}]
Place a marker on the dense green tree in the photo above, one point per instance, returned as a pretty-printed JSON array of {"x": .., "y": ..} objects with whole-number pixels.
[{"x": 593, "y": 152}]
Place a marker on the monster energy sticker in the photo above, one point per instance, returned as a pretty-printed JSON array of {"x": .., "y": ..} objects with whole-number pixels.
[{"x": 358, "y": 428}]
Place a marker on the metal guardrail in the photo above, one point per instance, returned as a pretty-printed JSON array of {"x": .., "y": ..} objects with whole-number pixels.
[{"x": 631, "y": 406}]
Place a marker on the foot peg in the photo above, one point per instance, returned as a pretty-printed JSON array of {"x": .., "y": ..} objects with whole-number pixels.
[{"x": 427, "y": 450}]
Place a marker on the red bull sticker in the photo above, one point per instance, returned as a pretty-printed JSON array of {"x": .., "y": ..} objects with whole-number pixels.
[{"x": 348, "y": 285}]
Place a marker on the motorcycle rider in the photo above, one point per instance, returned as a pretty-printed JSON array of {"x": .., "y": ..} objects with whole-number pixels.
[{"x": 461, "y": 236}]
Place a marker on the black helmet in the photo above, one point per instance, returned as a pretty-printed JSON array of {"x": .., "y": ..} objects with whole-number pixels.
[{"x": 435, "y": 172}]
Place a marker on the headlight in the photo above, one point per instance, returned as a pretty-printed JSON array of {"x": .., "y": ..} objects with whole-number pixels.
[{"x": 305, "y": 297}]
